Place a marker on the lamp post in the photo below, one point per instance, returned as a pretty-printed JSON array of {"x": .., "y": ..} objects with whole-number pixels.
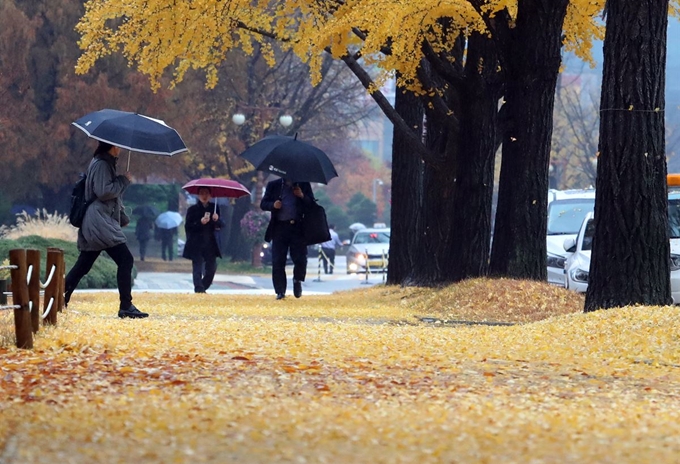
[
  {"x": 258, "y": 191},
  {"x": 376, "y": 182},
  {"x": 240, "y": 119}
]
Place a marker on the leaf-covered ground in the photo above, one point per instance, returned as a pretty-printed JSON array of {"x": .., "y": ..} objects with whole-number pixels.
[{"x": 351, "y": 377}]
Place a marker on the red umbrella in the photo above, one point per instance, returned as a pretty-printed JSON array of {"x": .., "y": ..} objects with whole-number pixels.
[{"x": 219, "y": 188}]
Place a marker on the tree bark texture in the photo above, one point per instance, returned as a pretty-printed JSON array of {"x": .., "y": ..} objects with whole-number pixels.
[
  {"x": 435, "y": 259},
  {"x": 471, "y": 237},
  {"x": 631, "y": 250},
  {"x": 519, "y": 243},
  {"x": 406, "y": 194}
]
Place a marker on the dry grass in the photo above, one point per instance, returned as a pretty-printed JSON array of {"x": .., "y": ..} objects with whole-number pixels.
[
  {"x": 7, "y": 337},
  {"x": 479, "y": 300},
  {"x": 41, "y": 223},
  {"x": 6, "y": 317},
  {"x": 475, "y": 300}
]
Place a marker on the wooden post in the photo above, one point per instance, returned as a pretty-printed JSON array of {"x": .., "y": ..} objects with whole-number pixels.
[
  {"x": 62, "y": 279},
  {"x": 61, "y": 272},
  {"x": 22, "y": 318},
  {"x": 52, "y": 290},
  {"x": 33, "y": 259}
]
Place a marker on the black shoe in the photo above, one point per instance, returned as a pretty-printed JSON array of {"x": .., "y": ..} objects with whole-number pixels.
[
  {"x": 280, "y": 296},
  {"x": 67, "y": 297},
  {"x": 132, "y": 313},
  {"x": 297, "y": 288}
]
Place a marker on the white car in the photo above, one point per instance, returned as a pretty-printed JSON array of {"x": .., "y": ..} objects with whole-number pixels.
[
  {"x": 566, "y": 210},
  {"x": 369, "y": 250},
  {"x": 578, "y": 264}
]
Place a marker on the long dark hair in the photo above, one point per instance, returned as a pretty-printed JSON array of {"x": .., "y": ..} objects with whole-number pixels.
[{"x": 103, "y": 147}]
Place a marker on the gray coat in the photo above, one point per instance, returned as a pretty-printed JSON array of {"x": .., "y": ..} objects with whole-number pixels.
[{"x": 101, "y": 227}]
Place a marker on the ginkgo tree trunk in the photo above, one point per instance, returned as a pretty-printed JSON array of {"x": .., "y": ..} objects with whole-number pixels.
[
  {"x": 630, "y": 261},
  {"x": 530, "y": 55}
]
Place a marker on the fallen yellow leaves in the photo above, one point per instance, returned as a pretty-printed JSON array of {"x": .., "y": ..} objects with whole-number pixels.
[{"x": 352, "y": 377}]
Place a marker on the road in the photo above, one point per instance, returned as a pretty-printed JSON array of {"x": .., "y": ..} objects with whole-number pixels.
[{"x": 315, "y": 284}]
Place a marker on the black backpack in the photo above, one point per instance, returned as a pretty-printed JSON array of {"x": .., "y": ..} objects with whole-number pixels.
[{"x": 78, "y": 203}]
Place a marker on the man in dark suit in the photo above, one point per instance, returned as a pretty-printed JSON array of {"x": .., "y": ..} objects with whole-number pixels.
[{"x": 287, "y": 200}]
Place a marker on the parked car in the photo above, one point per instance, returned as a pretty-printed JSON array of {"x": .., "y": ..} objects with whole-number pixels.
[
  {"x": 369, "y": 251},
  {"x": 578, "y": 264},
  {"x": 266, "y": 255},
  {"x": 566, "y": 211}
]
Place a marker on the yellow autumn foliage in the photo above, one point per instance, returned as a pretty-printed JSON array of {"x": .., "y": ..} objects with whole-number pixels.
[
  {"x": 353, "y": 377},
  {"x": 156, "y": 36}
]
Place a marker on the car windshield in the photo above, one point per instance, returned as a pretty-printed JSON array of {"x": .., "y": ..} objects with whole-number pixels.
[
  {"x": 674, "y": 218},
  {"x": 371, "y": 237},
  {"x": 588, "y": 236},
  {"x": 566, "y": 216}
]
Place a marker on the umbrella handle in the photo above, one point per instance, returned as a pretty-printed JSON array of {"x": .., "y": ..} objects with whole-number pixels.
[{"x": 128, "y": 166}]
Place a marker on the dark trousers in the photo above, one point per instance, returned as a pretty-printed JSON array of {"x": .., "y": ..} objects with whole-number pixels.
[
  {"x": 328, "y": 254},
  {"x": 121, "y": 256},
  {"x": 166, "y": 244},
  {"x": 203, "y": 268},
  {"x": 142, "y": 248},
  {"x": 288, "y": 237}
]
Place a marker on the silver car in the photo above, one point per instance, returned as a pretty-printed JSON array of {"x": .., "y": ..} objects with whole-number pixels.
[{"x": 369, "y": 251}]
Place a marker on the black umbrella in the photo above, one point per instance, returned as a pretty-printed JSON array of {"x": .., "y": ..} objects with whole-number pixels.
[
  {"x": 290, "y": 158},
  {"x": 146, "y": 211},
  {"x": 133, "y": 131}
]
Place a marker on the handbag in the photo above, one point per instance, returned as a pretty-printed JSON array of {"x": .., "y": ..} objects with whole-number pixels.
[{"x": 315, "y": 225}]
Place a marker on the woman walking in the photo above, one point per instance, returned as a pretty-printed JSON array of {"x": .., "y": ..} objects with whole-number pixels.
[{"x": 102, "y": 228}]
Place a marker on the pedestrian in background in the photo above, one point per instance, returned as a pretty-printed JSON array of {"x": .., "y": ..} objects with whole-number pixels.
[
  {"x": 143, "y": 233},
  {"x": 202, "y": 223},
  {"x": 167, "y": 237},
  {"x": 286, "y": 200},
  {"x": 102, "y": 228},
  {"x": 328, "y": 250}
]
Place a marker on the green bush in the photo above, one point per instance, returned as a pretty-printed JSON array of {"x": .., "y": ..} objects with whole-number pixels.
[{"x": 102, "y": 274}]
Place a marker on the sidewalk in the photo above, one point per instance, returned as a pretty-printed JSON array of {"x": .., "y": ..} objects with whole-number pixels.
[
  {"x": 181, "y": 282},
  {"x": 158, "y": 276}
]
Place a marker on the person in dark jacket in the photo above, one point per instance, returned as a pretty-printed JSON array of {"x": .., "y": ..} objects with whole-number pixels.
[
  {"x": 102, "y": 228},
  {"x": 168, "y": 242},
  {"x": 201, "y": 247},
  {"x": 143, "y": 233},
  {"x": 287, "y": 200}
]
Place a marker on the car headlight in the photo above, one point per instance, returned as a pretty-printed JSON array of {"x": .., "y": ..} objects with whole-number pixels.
[
  {"x": 579, "y": 275},
  {"x": 675, "y": 262},
  {"x": 265, "y": 245},
  {"x": 558, "y": 261}
]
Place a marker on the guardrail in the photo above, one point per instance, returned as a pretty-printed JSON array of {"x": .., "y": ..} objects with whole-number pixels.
[
  {"x": 26, "y": 291},
  {"x": 382, "y": 268}
]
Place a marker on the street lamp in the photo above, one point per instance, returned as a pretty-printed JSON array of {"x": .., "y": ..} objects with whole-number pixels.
[
  {"x": 239, "y": 119},
  {"x": 376, "y": 182},
  {"x": 286, "y": 120}
]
